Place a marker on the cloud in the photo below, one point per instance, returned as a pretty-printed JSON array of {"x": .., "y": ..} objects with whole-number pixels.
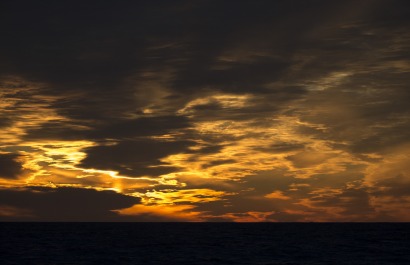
[
  {"x": 62, "y": 204},
  {"x": 235, "y": 78},
  {"x": 305, "y": 100},
  {"x": 308, "y": 158},
  {"x": 218, "y": 162},
  {"x": 135, "y": 158},
  {"x": 56, "y": 130},
  {"x": 116, "y": 129},
  {"x": 5, "y": 122},
  {"x": 10, "y": 167},
  {"x": 286, "y": 217},
  {"x": 144, "y": 126}
]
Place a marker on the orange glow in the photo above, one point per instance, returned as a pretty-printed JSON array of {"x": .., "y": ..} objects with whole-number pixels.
[{"x": 168, "y": 212}]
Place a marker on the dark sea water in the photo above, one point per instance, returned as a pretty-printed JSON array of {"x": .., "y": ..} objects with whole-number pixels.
[{"x": 205, "y": 243}]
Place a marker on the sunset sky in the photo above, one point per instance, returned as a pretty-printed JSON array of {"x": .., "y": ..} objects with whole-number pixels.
[{"x": 205, "y": 110}]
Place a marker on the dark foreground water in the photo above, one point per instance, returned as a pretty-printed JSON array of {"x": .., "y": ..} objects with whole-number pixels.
[{"x": 205, "y": 243}]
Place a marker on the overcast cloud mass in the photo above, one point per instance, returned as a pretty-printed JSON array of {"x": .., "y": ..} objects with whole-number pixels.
[{"x": 205, "y": 110}]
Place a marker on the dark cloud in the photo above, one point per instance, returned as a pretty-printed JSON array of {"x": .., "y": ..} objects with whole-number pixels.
[
  {"x": 280, "y": 147},
  {"x": 397, "y": 186},
  {"x": 212, "y": 147},
  {"x": 5, "y": 122},
  {"x": 249, "y": 194},
  {"x": 265, "y": 182},
  {"x": 355, "y": 203},
  {"x": 235, "y": 79},
  {"x": 135, "y": 158},
  {"x": 106, "y": 44},
  {"x": 56, "y": 130},
  {"x": 89, "y": 50},
  {"x": 286, "y": 217},
  {"x": 218, "y": 162},
  {"x": 209, "y": 45},
  {"x": 144, "y": 126},
  {"x": 350, "y": 174},
  {"x": 365, "y": 122},
  {"x": 10, "y": 168},
  {"x": 63, "y": 204},
  {"x": 118, "y": 129}
]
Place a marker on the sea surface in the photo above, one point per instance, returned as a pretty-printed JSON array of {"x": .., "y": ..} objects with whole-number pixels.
[{"x": 205, "y": 243}]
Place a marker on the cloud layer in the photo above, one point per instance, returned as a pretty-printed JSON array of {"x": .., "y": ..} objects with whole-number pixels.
[{"x": 207, "y": 110}]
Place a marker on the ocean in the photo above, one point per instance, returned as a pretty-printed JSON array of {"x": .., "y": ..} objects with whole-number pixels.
[{"x": 205, "y": 243}]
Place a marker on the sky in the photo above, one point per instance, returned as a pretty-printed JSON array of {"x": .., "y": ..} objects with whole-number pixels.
[{"x": 205, "y": 110}]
